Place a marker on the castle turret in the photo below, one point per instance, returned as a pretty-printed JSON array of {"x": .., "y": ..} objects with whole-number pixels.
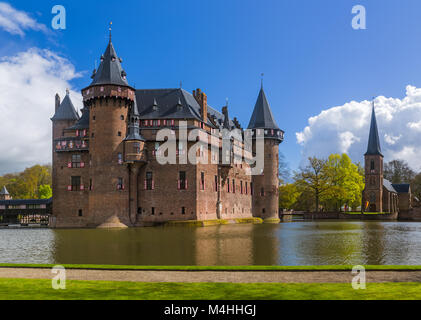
[
  {"x": 266, "y": 185},
  {"x": 373, "y": 193},
  {"x": 109, "y": 99},
  {"x": 4, "y": 194}
]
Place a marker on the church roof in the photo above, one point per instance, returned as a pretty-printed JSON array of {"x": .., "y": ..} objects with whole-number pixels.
[
  {"x": 4, "y": 191},
  {"x": 110, "y": 70},
  {"x": 402, "y": 188},
  {"x": 262, "y": 117},
  {"x": 373, "y": 139},
  {"x": 66, "y": 110},
  {"x": 389, "y": 186}
]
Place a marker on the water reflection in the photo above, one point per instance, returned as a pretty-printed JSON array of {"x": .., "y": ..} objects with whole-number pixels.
[{"x": 295, "y": 243}]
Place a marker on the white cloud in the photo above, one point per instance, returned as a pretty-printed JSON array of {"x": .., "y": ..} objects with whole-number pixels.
[
  {"x": 15, "y": 21},
  {"x": 346, "y": 128},
  {"x": 28, "y": 84}
]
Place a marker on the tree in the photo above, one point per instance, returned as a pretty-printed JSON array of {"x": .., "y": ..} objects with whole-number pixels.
[
  {"x": 398, "y": 171},
  {"x": 26, "y": 184},
  {"x": 416, "y": 186},
  {"x": 45, "y": 192},
  {"x": 313, "y": 177},
  {"x": 284, "y": 171},
  {"x": 288, "y": 195}
]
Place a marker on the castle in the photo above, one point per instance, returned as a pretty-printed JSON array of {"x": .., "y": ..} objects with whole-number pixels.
[
  {"x": 380, "y": 195},
  {"x": 105, "y": 168}
]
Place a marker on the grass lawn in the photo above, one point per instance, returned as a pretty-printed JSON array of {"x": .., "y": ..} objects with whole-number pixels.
[{"x": 19, "y": 289}]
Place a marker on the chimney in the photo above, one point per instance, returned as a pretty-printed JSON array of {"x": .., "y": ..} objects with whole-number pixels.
[
  {"x": 202, "y": 100},
  {"x": 57, "y": 101}
]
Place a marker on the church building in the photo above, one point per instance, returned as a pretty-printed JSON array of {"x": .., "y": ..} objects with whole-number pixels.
[{"x": 380, "y": 195}]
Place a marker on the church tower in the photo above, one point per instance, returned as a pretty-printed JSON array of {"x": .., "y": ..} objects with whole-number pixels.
[
  {"x": 109, "y": 99},
  {"x": 266, "y": 186},
  {"x": 373, "y": 193}
]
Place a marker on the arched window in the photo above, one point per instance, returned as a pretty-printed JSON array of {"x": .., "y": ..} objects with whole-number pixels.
[{"x": 372, "y": 166}]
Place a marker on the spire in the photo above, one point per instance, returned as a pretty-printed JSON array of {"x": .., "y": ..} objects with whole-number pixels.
[
  {"x": 110, "y": 29},
  {"x": 134, "y": 131},
  {"x": 110, "y": 70},
  {"x": 373, "y": 140},
  {"x": 66, "y": 110},
  {"x": 4, "y": 191},
  {"x": 262, "y": 117},
  {"x": 226, "y": 124}
]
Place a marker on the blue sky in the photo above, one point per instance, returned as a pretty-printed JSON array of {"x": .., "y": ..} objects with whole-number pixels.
[{"x": 311, "y": 57}]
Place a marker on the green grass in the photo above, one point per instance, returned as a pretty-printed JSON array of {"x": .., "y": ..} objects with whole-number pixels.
[
  {"x": 213, "y": 268},
  {"x": 18, "y": 289}
]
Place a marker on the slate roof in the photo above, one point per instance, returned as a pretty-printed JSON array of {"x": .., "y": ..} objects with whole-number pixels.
[
  {"x": 83, "y": 122},
  {"x": 134, "y": 130},
  {"x": 66, "y": 110},
  {"x": 26, "y": 201},
  {"x": 389, "y": 186},
  {"x": 110, "y": 70},
  {"x": 173, "y": 104},
  {"x": 4, "y": 191},
  {"x": 262, "y": 117},
  {"x": 373, "y": 139},
  {"x": 402, "y": 188}
]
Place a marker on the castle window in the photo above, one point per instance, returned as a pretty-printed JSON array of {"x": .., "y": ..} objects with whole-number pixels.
[
  {"x": 241, "y": 187},
  {"x": 182, "y": 182},
  {"x": 120, "y": 184},
  {"x": 251, "y": 188},
  {"x": 76, "y": 185},
  {"x": 155, "y": 123},
  {"x": 119, "y": 133},
  {"x": 180, "y": 148},
  {"x": 120, "y": 158},
  {"x": 247, "y": 188},
  {"x": 80, "y": 213},
  {"x": 372, "y": 166},
  {"x": 139, "y": 210},
  {"x": 233, "y": 186},
  {"x": 262, "y": 192},
  {"x": 122, "y": 117},
  {"x": 76, "y": 161},
  {"x": 136, "y": 147},
  {"x": 228, "y": 185},
  {"x": 263, "y": 210},
  {"x": 153, "y": 211},
  {"x": 216, "y": 183},
  {"x": 90, "y": 185},
  {"x": 183, "y": 210},
  {"x": 149, "y": 182},
  {"x": 202, "y": 181}
]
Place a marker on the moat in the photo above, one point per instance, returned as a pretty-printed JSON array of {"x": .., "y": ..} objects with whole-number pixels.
[{"x": 294, "y": 243}]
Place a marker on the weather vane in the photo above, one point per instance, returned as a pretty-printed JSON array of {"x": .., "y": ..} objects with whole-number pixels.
[{"x": 110, "y": 28}]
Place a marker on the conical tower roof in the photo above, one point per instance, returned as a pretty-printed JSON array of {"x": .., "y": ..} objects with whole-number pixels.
[
  {"x": 373, "y": 139},
  {"x": 262, "y": 117},
  {"x": 134, "y": 130},
  {"x": 4, "y": 191},
  {"x": 110, "y": 70},
  {"x": 66, "y": 110}
]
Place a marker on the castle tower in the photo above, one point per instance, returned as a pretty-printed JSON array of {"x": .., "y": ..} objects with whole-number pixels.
[
  {"x": 266, "y": 185},
  {"x": 109, "y": 99},
  {"x": 4, "y": 194},
  {"x": 373, "y": 193},
  {"x": 65, "y": 116}
]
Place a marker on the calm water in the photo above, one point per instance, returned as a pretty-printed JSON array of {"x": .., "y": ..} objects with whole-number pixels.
[{"x": 295, "y": 243}]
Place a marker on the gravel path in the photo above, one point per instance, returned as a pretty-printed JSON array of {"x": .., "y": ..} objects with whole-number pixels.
[{"x": 215, "y": 276}]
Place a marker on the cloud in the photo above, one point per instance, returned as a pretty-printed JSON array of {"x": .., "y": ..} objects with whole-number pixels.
[
  {"x": 345, "y": 129},
  {"x": 28, "y": 84},
  {"x": 15, "y": 21}
]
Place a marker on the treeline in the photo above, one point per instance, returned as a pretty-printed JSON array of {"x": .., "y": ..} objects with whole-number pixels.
[
  {"x": 33, "y": 183},
  {"x": 336, "y": 183}
]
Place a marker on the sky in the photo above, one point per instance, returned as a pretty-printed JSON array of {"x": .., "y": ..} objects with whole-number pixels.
[{"x": 320, "y": 74}]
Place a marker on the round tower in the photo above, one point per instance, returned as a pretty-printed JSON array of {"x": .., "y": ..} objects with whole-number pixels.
[
  {"x": 266, "y": 185},
  {"x": 109, "y": 99}
]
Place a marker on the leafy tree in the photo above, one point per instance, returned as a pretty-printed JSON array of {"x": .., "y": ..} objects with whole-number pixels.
[
  {"x": 45, "y": 191},
  {"x": 313, "y": 178},
  {"x": 288, "y": 196},
  {"x": 398, "y": 171},
  {"x": 416, "y": 186},
  {"x": 284, "y": 171},
  {"x": 26, "y": 184}
]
